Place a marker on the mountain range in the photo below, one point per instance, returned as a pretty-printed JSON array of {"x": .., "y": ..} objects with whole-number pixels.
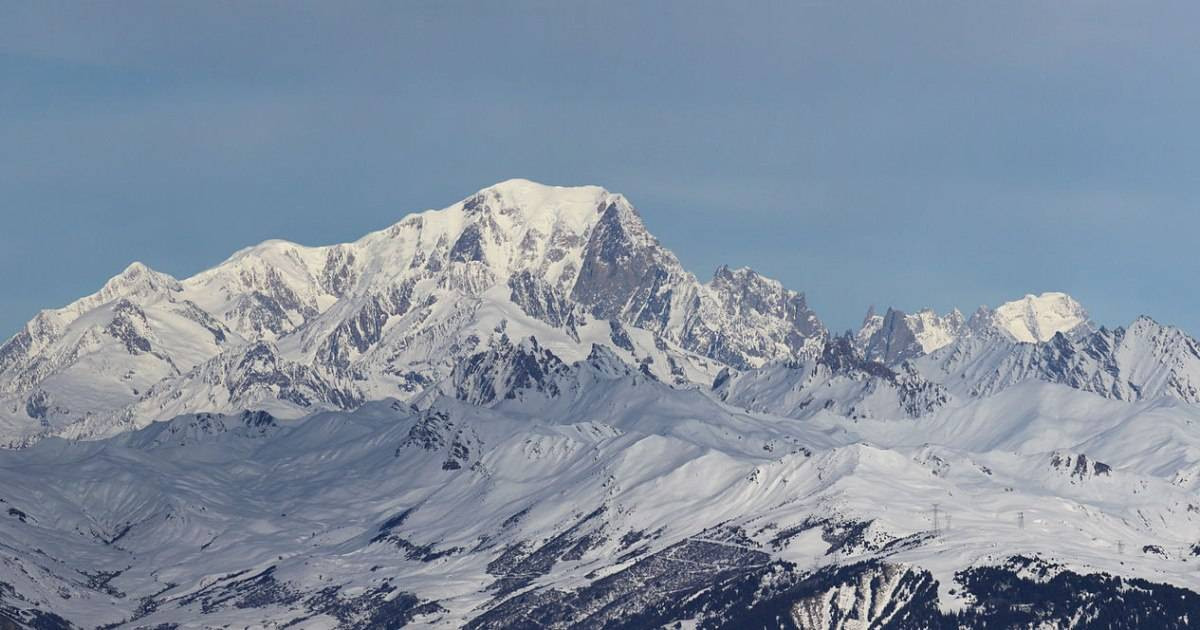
[{"x": 522, "y": 411}]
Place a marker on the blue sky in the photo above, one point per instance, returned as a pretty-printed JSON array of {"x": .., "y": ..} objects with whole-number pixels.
[{"x": 908, "y": 154}]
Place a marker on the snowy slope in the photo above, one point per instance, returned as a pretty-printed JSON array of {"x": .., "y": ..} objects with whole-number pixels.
[
  {"x": 390, "y": 314},
  {"x": 522, "y": 411},
  {"x": 103, "y": 352},
  {"x": 896, "y": 336},
  {"x": 1034, "y": 318},
  {"x": 460, "y": 514},
  {"x": 1145, "y": 361}
]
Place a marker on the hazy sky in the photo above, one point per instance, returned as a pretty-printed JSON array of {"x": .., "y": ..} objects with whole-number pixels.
[{"x": 910, "y": 153}]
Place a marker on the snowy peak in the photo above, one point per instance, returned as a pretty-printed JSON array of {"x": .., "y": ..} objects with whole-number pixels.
[
  {"x": 511, "y": 227},
  {"x": 1035, "y": 318},
  {"x": 745, "y": 291},
  {"x": 937, "y": 331},
  {"x": 533, "y": 205},
  {"x": 500, "y": 412},
  {"x": 137, "y": 278},
  {"x": 625, "y": 274},
  {"x": 393, "y": 313},
  {"x": 137, "y": 282},
  {"x": 505, "y": 371},
  {"x": 897, "y": 336},
  {"x": 419, "y": 307},
  {"x": 1146, "y": 361}
]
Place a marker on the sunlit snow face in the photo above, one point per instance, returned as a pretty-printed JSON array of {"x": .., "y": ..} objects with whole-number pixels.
[{"x": 1039, "y": 318}]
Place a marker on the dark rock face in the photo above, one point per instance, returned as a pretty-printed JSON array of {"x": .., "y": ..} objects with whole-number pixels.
[
  {"x": 360, "y": 333},
  {"x": 260, "y": 366},
  {"x": 382, "y": 606},
  {"x": 262, "y": 313},
  {"x": 894, "y": 341},
  {"x": 518, "y": 565},
  {"x": 429, "y": 433},
  {"x": 337, "y": 276},
  {"x": 746, "y": 291},
  {"x": 1082, "y": 367},
  {"x": 917, "y": 396},
  {"x": 15, "y": 349},
  {"x": 625, "y": 275},
  {"x": 128, "y": 325},
  {"x": 841, "y": 357},
  {"x": 476, "y": 204},
  {"x": 1079, "y": 467},
  {"x": 543, "y": 302},
  {"x": 653, "y": 592},
  {"x": 273, "y": 307},
  {"x": 727, "y": 586},
  {"x": 505, "y": 371},
  {"x": 259, "y": 420},
  {"x": 469, "y": 246},
  {"x": 19, "y": 613},
  {"x": 435, "y": 432},
  {"x": 750, "y": 318},
  {"x": 618, "y": 336},
  {"x": 38, "y": 404},
  {"x": 199, "y": 427}
]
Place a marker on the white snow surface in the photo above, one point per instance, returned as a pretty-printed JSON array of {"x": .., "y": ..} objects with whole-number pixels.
[
  {"x": 180, "y": 506},
  {"x": 1035, "y": 318},
  {"x": 389, "y": 314},
  {"x": 408, "y": 412}
]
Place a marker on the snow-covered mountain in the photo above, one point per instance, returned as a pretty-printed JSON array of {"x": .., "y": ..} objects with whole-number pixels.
[
  {"x": 296, "y": 329},
  {"x": 625, "y": 503},
  {"x": 1145, "y": 361},
  {"x": 522, "y": 411},
  {"x": 896, "y": 336},
  {"x": 1034, "y": 318}
]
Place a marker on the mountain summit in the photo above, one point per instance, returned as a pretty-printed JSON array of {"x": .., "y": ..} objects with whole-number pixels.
[
  {"x": 522, "y": 410},
  {"x": 290, "y": 328},
  {"x": 1035, "y": 318}
]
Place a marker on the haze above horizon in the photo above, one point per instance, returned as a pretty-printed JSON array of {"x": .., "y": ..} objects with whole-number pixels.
[{"x": 922, "y": 156}]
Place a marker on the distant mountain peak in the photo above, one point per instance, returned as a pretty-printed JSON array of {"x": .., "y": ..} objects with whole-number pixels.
[
  {"x": 137, "y": 277},
  {"x": 896, "y": 336},
  {"x": 394, "y": 312},
  {"x": 1037, "y": 318}
]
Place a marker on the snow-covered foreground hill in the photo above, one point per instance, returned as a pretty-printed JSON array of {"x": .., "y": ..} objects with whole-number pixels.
[
  {"x": 521, "y": 411},
  {"x": 632, "y": 505}
]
